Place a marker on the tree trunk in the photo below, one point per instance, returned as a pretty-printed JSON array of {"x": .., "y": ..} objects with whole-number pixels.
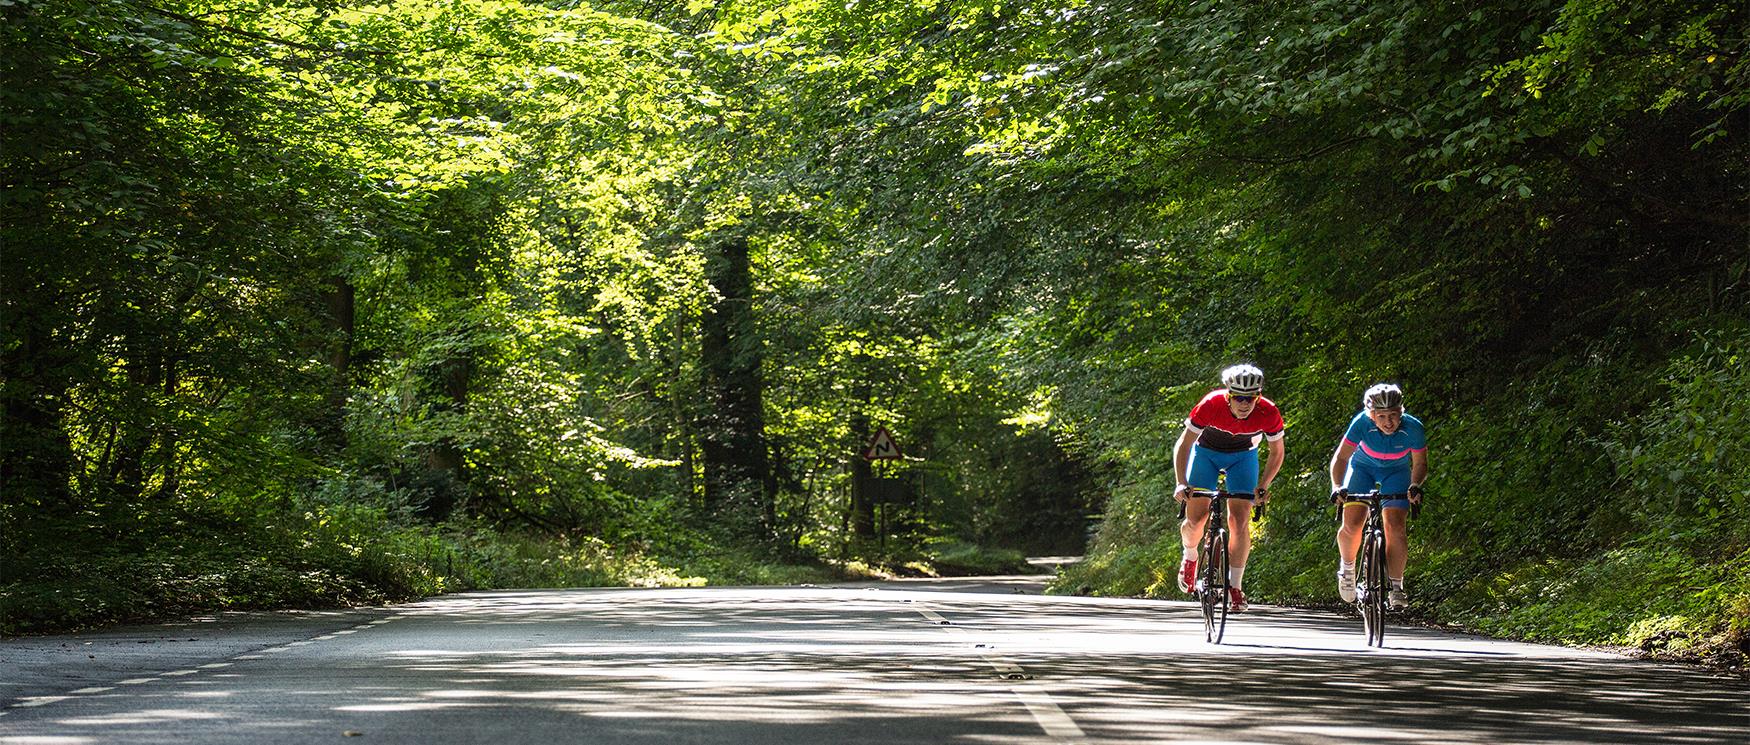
[
  {"x": 36, "y": 456},
  {"x": 733, "y": 448},
  {"x": 446, "y": 476},
  {"x": 862, "y": 502}
]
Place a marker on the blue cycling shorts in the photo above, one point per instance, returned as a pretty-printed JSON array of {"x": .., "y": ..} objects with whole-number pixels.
[
  {"x": 1241, "y": 469},
  {"x": 1365, "y": 478}
]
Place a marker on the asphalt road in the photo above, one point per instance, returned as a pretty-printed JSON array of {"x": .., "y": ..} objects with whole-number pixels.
[{"x": 977, "y": 661}]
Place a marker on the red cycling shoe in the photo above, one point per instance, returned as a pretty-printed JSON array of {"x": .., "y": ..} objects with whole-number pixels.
[
  {"x": 1187, "y": 575},
  {"x": 1236, "y": 600}
]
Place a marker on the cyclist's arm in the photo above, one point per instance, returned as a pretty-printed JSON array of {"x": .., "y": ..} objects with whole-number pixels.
[
  {"x": 1272, "y": 463},
  {"x": 1418, "y": 467},
  {"x": 1182, "y": 457},
  {"x": 1340, "y": 465}
]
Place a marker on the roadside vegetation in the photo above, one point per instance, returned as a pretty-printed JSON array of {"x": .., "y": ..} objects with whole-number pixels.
[{"x": 320, "y": 302}]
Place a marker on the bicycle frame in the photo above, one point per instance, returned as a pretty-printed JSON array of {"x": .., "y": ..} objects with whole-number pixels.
[
  {"x": 1371, "y": 583},
  {"x": 1212, "y": 560}
]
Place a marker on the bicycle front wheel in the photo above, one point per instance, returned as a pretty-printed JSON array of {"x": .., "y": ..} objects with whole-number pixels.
[
  {"x": 1373, "y": 603},
  {"x": 1214, "y": 594}
]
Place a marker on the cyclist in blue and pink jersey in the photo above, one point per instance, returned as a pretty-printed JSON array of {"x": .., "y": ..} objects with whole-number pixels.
[
  {"x": 1384, "y": 449},
  {"x": 1221, "y": 436}
]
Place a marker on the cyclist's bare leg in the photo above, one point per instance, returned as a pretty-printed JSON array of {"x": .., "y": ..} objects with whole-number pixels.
[
  {"x": 1239, "y": 531},
  {"x": 1196, "y": 514},
  {"x": 1397, "y": 542},
  {"x": 1349, "y": 536}
]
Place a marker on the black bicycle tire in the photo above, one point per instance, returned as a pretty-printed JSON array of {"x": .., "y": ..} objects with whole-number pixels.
[
  {"x": 1364, "y": 586},
  {"x": 1221, "y": 599},
  {"x": 1376, "y": 590},
  {"x": 1211, "y": 551},
  {"x": 1205, "y": 557}
]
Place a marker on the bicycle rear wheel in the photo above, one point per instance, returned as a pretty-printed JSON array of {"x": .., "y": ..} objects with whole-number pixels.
[
  {"x": 1214, "y": 592},
  {"x": 1373, "y": 577}
]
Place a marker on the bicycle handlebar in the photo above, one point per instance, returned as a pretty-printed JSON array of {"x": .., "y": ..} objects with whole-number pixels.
[{"x": 1257, "y": 509}]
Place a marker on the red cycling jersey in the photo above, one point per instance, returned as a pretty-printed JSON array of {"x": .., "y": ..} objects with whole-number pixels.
[{"x": 1218, "y": 429}]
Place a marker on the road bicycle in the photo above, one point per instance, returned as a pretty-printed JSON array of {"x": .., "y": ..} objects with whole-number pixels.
[
  {"x": 1372, "y": 587},
  {"x": 1212, "y": 561}
]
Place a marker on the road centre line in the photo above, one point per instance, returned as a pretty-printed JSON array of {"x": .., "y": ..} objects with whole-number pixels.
[
  {"x": 1051, "y": 717},
  {"x": 135, "y": 681},
  {"x": 94, "y": 689},
  {"x": 39, "y": 701},
  {"x": 1046, "y": 711}
]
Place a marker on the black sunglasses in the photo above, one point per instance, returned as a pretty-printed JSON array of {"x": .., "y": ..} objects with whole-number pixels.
[{"x": 1241, "y": 399}]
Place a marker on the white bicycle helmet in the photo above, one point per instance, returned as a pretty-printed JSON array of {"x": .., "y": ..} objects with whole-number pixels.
[
  {"x": 1383, "y": 396},
  {"x": 1243, "y": 380}
]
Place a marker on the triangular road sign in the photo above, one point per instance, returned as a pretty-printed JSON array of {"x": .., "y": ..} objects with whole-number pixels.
[{"x": 882, "y": 446}]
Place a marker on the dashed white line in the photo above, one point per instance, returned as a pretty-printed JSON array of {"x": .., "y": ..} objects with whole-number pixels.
[
  {"x": 134, "y": 681},
  {"x": 40, "y": 700},
  {"x": 1057, "y": 724},
  {"x": 213, "y": 665},
  {"x": 94, "y": 689},
  {"x": 180, "y": 672},
  {"x": 1046, "y": 711}
]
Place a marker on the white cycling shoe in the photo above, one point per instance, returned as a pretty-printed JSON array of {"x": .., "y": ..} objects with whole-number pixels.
[
  {"x": 1398, "y": 599},
  {"x": 1346, "y": 585}
]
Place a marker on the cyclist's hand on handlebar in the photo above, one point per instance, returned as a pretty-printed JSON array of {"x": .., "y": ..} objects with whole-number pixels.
[
  {"x": 1415, "y": 494},
  {"x": 1338, "y": 495},
  {"x": 1182, "y": 493}
]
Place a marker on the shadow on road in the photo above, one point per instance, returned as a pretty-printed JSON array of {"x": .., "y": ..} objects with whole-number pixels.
[{"x": 870, "y": 666}]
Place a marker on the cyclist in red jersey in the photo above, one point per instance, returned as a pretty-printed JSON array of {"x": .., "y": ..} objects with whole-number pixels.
[{"x": 1221, "y": 437}]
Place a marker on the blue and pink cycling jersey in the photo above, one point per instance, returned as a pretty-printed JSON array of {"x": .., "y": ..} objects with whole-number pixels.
[{"x": 1382, "y": 459}]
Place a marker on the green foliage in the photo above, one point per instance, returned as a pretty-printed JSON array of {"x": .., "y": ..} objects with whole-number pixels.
[
  {"x": 1684, "y": 460},
  {"x": 377, "y": 288}
]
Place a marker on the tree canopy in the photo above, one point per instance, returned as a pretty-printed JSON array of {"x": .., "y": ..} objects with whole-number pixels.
[{"x": 313, "y": 288}]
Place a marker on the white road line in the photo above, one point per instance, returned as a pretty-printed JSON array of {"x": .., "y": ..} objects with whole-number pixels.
[
  {"x": 180, "y": 672},
  {"x": 247, "y": 657},
  {"x": 97, "y": 689},
  {"x": 1046, "y": 711},
  {"x": 134, "y": 681},
  {"x": 1057, "y": 724},
  {"x": 211, "y": 665},
  {"x": 346, "y": 631},
  {"x": 39, "y": 701}
]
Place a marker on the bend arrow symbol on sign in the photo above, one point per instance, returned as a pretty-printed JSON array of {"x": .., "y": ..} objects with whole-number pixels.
[{"x": 882, "y": 446}]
